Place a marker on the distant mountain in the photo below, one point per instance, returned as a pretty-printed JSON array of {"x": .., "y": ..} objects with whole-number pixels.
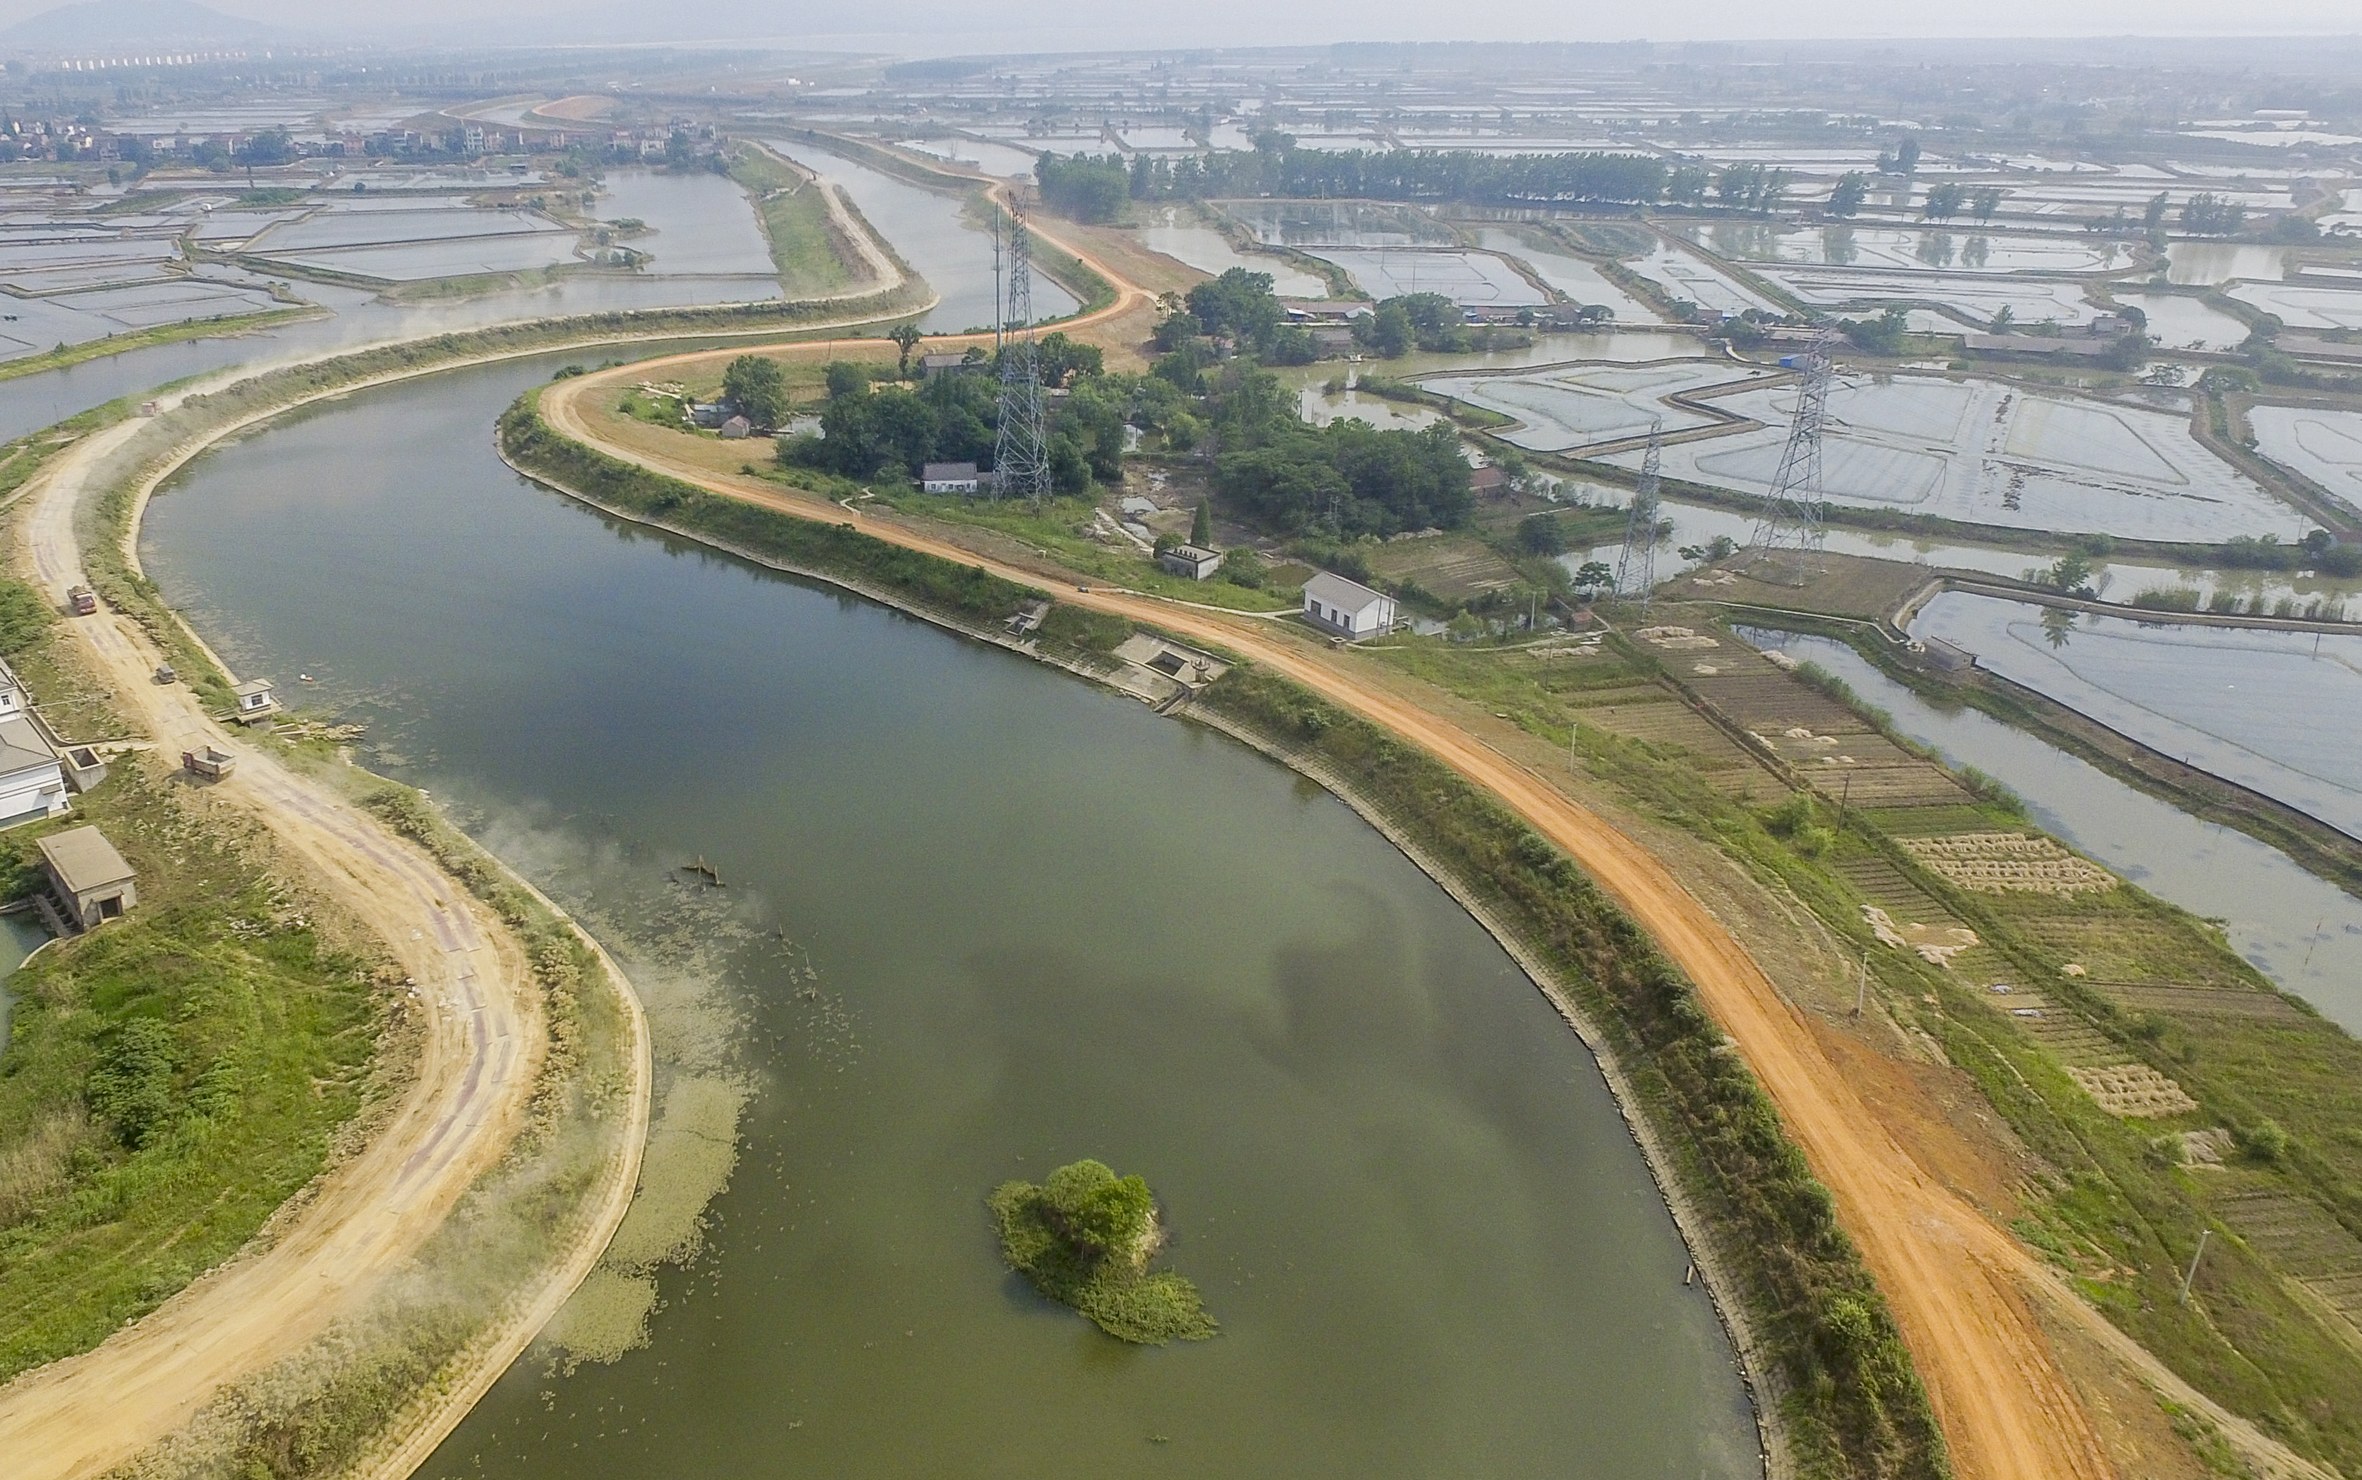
[{"x": 111, "y": 25}]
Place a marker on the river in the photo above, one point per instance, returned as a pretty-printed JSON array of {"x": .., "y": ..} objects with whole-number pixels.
[
  {"x": 1044, "y": 924},
  {"x": 2295, "y": 927}
]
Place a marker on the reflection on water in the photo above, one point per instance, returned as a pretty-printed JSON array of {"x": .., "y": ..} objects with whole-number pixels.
[
  {"x": 1044, "y": 923},
  {"x": 20, "y": 936},
  {"x": 2295, "y": 927}
]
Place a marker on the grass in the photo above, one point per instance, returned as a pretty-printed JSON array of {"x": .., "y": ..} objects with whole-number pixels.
[
  {"x": 808, "y": 248},
  {"x": 2119, "y": 1214},
  {"x": 1114, "y": 1290},
  {"x": 266, "y": 1033}
]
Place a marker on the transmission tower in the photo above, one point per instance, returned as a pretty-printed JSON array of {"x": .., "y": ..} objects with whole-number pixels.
[
  {"x": 1636, "y": 571},
  {"x": 1789, "y": 533},
  {"x": 1021, "y": 458}
]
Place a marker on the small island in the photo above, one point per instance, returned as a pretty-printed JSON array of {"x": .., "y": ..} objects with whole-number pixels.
[{"x": 1085, "y": 1238}]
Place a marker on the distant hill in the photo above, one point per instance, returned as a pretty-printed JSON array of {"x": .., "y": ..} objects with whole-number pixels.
[{"x": 110, "y": 25}]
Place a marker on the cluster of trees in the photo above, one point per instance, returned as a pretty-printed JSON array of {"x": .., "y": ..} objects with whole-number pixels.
[
  {"x": 893, "y": 430},
  {"x": 1953, "y": 199},
  {"x": 1277, "y": 167},
  {"x": 1751, "y": 187},
  {"x": 1902, "y": 159},
  {"x": 2208, "y": 214},
  {"x": 1852, "y": 188},
  {"x": 1239, "y": 306}
]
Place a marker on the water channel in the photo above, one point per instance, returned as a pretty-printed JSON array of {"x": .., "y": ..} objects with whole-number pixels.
[
  {"x": 1045, "y": 924},
  {"x": 2295, "y": 927}
]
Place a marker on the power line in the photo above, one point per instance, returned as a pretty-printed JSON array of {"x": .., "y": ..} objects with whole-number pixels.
[
  {"x": 1021, "y": 456},
  {"x": 1636, "y": 569},
  {"x": 1787, "y": 547}
]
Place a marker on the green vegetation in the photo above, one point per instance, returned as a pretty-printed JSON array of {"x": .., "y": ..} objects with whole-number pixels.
[
  {"x": 115, "y": 344},
  {"x": 808, "y": 246},
  {"x": 1085, "y": 1238},
  {"x": 169, "y": 1080},
  {"x": 1276, "y": 167},
  {"x": 1852, "y": 1403},
  {"x": 756, "y": 385},
  {"x": 2116, "y": 1203}
]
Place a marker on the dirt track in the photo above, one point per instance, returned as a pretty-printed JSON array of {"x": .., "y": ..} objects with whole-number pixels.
[
  {"x": 1956, "y": 1283},
  {"x": 482, "y": 1045}
]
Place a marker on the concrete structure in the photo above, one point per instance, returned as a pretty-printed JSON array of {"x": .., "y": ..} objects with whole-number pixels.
[
  {"x": 1347, "y": 608},
  {"x": 257, "y": 700},
  {"x": 736, "y": 429},
  {"x": 32, "y": 780},
  {"x": 951, "y": 478},
  {"x": 1193, "y": 561},
  {"x": 933, "y": 365},
  {"x": 90, "y": 879}
]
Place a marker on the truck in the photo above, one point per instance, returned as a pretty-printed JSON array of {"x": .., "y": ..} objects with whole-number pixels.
[
  {"x": 82, "y": 601},
  {"x": 208, "y": 762}
]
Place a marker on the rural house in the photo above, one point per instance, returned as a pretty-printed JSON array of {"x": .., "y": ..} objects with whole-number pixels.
[
  {"x": 32, "y": 781},
  {"x": 257, "y": 699},
  {"x": 1347, "y": 608},
  {"x": 960, "y": 477},
  {"x": 1193, "y": 561},
  {"x": 90, "y": 879}
]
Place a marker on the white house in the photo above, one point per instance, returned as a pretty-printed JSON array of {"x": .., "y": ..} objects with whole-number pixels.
[
  {"x": 1347, "y": 608},
  {"x": 32, "y": 781},
  {"x": 256, "y": 700},
  {"x": 951, "y": 478},
  {"x": 1197, "y": 563}
]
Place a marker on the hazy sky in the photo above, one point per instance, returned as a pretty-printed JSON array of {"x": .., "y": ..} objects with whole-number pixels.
[{"x": 914, "y": 26}]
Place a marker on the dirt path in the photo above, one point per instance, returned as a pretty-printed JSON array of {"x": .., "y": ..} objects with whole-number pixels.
[{"x": 1958, "y": 1285}]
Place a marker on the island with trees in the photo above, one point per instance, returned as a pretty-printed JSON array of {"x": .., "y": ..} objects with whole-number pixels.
[{"x": 1085, "y": 1238}]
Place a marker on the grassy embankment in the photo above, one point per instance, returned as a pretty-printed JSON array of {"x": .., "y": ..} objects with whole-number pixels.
[
  {"x": 808, "y": 248},
  {"x": 69, "y": 355},
  {"x": 2117, "y": 1201},
  {"x": 171, "y": 1080},
  {"x": 1853, "y": 1404}
]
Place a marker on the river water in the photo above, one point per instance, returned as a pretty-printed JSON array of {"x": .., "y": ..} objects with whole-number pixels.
[
  {"x": 2295, "y": 927},
  {"x": 1045, "y": 924}
]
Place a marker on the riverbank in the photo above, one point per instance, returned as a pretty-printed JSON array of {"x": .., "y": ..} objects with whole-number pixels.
[{"x": 1734, "y": 992}]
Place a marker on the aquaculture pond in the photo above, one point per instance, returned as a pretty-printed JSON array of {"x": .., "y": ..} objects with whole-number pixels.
[
  {"x": 981, "y": 919},
  {"x": 2273, "y": 711},
  {"x": 2298, "y": 929},
  {"x": 698, "y": 224}
]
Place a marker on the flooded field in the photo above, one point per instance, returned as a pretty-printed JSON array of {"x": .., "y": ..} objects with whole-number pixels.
[
  {"x": 2222, "y": 700},
  {"x": 1578, "y": 406},
  {"x": 1907, "y": 250},
  {"x": 932, "y": 233},
  {"x": 699, "y": 225},
  {"x": 1181, "y": 236},
  {"x": 982, "y": 919},
  {"x": 2205, "y": 264},
  {"x": 2323, "y": 445},
  {"x": 1984, "y": 452},
  {"x": 2304, "y": 308},
  {"x": 1470, "y": 279},
  {"x": 1305, "y": 223},
  {"x": 1684, "y": 275},
  {"x": 2297, "y": 928},
  {"x": 1578, "y": 279},
  {"x": 2176, "y": 322},
  {"x": 1971, "y": 299}
]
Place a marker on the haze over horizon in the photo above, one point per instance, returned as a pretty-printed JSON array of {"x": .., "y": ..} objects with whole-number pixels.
[{"x": 916, "y": 27}]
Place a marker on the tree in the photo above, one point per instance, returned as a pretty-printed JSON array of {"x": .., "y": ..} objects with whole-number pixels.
[
  {"x": 759, "y": 389},
  {"x": 1084, "y": 187},
  {"x": 1907, "y": 157},
  {"x": 1201, "y": 526},
  {"x": 2005, "y": 320},
  {"x": 906, "y": 338},
  {"x": 1985, "y": 202},
  {"x": 1594, "y": 575},
  {"x": 1096, "y": 1210},
  {"x": 845, "y": 379},
  {"x": 2154, "y": 216},
  {"x": 1852, "y": 188},
  {"x": 1687, "y": 185},
  {"x": 1944, "y": 201},
  {"x": 1388, "y": 331},
  {"x": 1541, "y": 534}
]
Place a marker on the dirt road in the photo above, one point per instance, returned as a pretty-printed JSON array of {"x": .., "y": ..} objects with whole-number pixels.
[
  {"x": 1956, "y": 1282},
  {"x": 482, "y": 1044}
]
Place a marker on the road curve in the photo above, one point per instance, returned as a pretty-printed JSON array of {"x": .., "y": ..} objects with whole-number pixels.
[
  {"x": 482, "y": 1041},
  {"x": 1956, "y": 1283}
]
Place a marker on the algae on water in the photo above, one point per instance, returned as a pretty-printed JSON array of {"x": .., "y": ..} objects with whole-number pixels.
[{"x": 1085, "y": 1238}]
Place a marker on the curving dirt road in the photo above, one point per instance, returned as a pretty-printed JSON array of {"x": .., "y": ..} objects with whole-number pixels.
[{"x": 1957, "y": 1284}]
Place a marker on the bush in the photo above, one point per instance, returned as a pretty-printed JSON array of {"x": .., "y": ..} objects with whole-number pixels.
[{"x": 1084, "y": 1238}]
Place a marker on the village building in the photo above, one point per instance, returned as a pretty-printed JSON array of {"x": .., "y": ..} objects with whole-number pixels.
[
  {"x": 257, "y": 699},
  {"x": 90, "y": 880},
  {"x": 951, "y": 477},
  {"x": 32, "y": 779},
  {"x": 1347, "y": 608},
  {"x": 737, "y": 429},
  {"x": 932, "y": 365},
  {"x": 1194, "y": 561}
]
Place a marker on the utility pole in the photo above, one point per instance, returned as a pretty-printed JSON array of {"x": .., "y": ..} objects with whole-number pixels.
[
  {"x": 1845, "y": 795},
  {"x": 2203, "y": 1235},
  {"x": 1862, "y": 987}
]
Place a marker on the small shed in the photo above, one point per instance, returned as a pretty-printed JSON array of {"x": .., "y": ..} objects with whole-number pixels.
[
  {"x": 91, "y": 880},
  {"x": 1193, "y": 561},
  {"x": 950, "y": 477},
  {"x": 736, "y": 429},
  {"x": 257, "y": 699},
  {"x": 932, "y": 365},
  {"x": 1347, "y": 608}
]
